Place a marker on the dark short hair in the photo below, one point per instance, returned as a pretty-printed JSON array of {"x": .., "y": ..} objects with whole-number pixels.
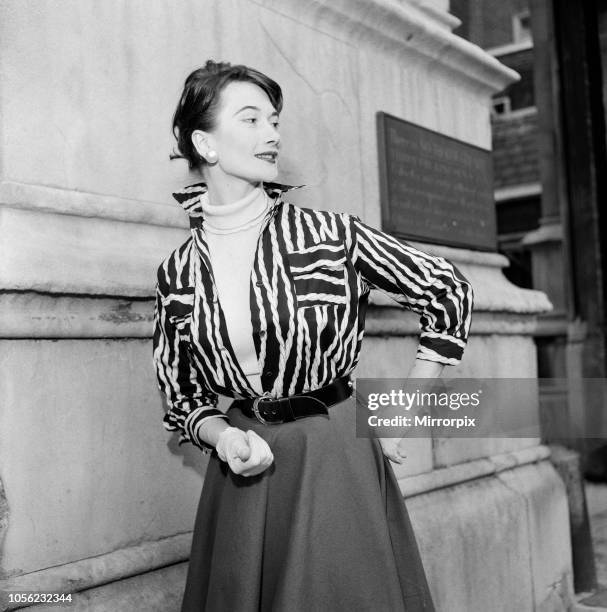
[{"x": 199, "y": 102}]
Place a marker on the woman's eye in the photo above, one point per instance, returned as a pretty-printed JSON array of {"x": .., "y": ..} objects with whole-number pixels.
[{"x": 250, "y": 119}]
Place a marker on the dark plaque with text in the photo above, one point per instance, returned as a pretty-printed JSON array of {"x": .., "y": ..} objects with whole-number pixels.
[{"x": 434, "y": 188}]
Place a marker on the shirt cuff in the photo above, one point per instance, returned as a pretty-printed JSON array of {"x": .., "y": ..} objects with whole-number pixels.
[
  {"x": 442, "y": 348},
  {"x": 193, "y": 423}
]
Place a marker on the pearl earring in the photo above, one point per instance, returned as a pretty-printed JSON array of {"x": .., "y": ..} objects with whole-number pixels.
[{"x": 211, "y": 157}]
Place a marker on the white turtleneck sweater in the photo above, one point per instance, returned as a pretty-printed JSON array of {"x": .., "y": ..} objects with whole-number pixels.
[{"x": 232, "y": 231}]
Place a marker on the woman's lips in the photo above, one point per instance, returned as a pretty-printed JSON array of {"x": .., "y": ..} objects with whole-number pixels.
[{"x": 269, "y": 157}]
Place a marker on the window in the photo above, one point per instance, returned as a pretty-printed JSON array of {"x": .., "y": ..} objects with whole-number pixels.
[
  {"x": 501, "y": 106},
  {"x": 521, "y": 27}
]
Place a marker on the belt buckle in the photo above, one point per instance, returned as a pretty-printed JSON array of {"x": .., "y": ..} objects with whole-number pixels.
[{"x": 256, "y": 409}]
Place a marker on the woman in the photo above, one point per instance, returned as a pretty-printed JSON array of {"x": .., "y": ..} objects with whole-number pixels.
[{"x": 265, "y": 303}]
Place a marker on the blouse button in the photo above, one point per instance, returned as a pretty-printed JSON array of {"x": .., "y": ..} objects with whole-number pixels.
[
  {"x": 262, "y": 333},
  {"x": 259, "y": 283}
]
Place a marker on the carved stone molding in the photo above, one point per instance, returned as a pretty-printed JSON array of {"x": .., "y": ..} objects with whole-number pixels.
[
  {"x": 403, "y": 27},
  {"x": 44, "y": 199}
]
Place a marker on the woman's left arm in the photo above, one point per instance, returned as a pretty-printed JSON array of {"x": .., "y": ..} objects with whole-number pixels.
[
  {"x": 426, "y": 284},
  {"x": 396, "y": 448},
  {"x": 426, "y": 369}
]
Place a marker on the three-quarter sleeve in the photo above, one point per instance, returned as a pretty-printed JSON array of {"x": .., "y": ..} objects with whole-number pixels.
[
  {"x": 428, "y": 285},
  {"x": 190, "y": 402}
]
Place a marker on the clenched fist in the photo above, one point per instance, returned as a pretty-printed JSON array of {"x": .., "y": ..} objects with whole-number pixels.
[{"x": 246, "y": 453}]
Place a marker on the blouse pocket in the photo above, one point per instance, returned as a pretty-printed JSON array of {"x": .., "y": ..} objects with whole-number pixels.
[
  {"x": 319, "y": 275},
  {"x": 178, "y": 307}
]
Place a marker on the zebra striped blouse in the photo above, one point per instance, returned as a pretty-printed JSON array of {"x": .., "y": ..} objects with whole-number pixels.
[{"x": 309, "y": 288}]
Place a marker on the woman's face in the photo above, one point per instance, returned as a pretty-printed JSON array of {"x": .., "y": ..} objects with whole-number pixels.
[{"x": 245, "y": 135}]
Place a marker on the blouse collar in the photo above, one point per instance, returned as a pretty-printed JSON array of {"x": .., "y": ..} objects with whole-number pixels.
[{"x": 190, "y": 200}]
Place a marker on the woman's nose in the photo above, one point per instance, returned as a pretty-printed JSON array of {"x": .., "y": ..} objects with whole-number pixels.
[{"x": 272, "y": 135}]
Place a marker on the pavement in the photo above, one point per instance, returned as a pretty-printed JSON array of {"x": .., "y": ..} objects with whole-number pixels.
[{"x": 596, "y": 498}]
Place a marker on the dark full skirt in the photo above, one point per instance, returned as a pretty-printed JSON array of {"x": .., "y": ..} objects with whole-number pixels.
[{"x": 325, "y": 528}]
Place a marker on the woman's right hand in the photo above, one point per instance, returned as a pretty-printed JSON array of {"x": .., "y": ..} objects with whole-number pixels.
[{"x": 247, "y": 453}]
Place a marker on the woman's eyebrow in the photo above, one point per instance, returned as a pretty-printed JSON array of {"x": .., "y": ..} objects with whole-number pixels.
[{"x": 256, "y": 108}]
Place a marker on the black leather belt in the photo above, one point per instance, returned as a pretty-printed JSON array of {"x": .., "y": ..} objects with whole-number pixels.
[{"x": 275, "y": 411}]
